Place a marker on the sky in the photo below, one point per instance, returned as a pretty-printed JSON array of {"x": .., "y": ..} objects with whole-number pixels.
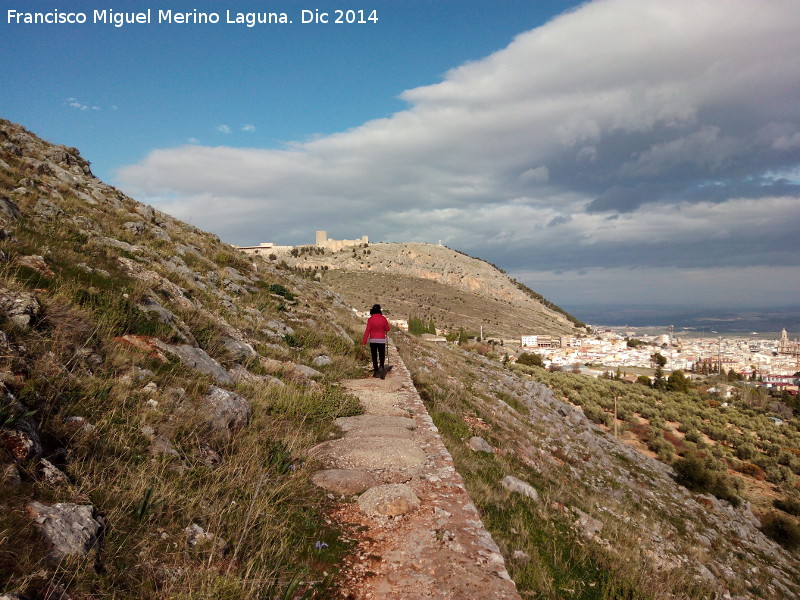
[{"x": 610, "y": 152}]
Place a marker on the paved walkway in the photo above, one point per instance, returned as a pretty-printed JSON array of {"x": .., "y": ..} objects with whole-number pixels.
[{"x": 418, "y": 534}]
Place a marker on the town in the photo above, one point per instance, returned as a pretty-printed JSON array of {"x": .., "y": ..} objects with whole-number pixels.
[{"x": 772, "y": 363}]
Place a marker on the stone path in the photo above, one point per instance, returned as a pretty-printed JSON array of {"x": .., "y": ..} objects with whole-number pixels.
[{"x": 418, "y": 535}]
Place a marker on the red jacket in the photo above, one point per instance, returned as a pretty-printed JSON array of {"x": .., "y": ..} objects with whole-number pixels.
[{"x": 377, "y": 326}]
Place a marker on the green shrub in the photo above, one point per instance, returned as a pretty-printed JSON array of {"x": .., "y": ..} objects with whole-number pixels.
[
  {"x": 697, "y": 473},
  {"x": 597, "y": 415},
  {"x": 782, "y": 529},
  {"x": 790, "y": 505},
  {"x": 745, "y": 451},
  {"x": 277, "y": 288},
  {"x": 693, "y": 436},
  {"x": 530, "y": 359}
]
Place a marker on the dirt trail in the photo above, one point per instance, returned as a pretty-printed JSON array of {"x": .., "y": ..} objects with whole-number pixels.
[{"x": 418, "y": 534}]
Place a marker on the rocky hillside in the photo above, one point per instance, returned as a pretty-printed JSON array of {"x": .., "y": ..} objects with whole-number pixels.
[
  {"x": 598, "y": 518},
  {"x": 158, "y": 395},
  {"x": 434, "y": 282}
]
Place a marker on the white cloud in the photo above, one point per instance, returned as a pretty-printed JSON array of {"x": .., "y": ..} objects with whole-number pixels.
[
  {"x": 248, "y": 127},
  {"x": 223, "y": 129},
  {"x": 625, "y": 133},
  {"x": 78, "y": 105},
  {"x": 535, "y": 175}
]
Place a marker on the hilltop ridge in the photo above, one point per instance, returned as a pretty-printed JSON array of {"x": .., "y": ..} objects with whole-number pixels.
[{"x": 435, "y": 282}]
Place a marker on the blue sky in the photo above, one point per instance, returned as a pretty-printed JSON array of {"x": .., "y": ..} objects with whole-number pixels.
[
  {"x": 606, "y": 152},
  {"x": 117, "y": 93}
]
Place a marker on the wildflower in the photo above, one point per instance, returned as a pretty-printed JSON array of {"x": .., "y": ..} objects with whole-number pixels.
[{"x": 320, "y": 545}]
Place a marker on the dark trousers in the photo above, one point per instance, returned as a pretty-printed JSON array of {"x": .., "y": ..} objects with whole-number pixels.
[{"x": 378, "y": 350}]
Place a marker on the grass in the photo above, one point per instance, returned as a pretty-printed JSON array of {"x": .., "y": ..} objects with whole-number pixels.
[
  {"x": 556, "y": 560},
  {"x": 404, "y": 296},
  {"x": 252, "y": 490},
  {"x": 258, "y": 499}
]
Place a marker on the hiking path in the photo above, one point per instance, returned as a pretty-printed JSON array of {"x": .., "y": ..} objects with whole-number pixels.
[{"x": 417, "y": 534}]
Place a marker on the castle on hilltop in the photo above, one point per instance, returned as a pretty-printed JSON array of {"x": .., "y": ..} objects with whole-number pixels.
[{"x": 322, "y": 241}]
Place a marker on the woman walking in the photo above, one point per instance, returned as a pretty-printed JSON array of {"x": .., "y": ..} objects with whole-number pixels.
[{"x": 375, "y": 334}]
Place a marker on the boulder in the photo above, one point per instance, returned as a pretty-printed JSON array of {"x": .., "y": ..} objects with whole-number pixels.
[
  {"x": 233, "y": 288},
  {"x": 8, "y": 210},
  {"x": 240, "y": 374},
  {"x": 518, "y": 486},
  {"x": 20, "y": 437},
  {"x": 586, "y": 525},
  {"x": 197, "y": 359},
  {"x": 21, "y": 308},
  {"x": 159, "y": 233},
  {"x": 48, "y": 209},
  {"x": 344, "y": 482},
  {"x": 37, "y": 263},
  {"x": 277, "y": 328},
  {"x": 134, "y": 227},
  {"x": 478, "y": 444},
  {"x": 51, "y": 473},
  {"x": 224, "y": 412},
  {"x": 321, "y": 361},
  {"x": 238, "y": 350},
  {"x": 306, "y": 371},
  {"x": 70, "y": 529}
]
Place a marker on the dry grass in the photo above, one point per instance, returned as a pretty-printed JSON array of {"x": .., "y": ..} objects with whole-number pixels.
[
  {"x": 403, "y": 297},
  {"x": 255, "y": 496}
]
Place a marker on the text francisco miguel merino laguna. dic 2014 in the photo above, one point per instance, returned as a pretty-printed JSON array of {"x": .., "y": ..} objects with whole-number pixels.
[{"x": 193, "y": 17}]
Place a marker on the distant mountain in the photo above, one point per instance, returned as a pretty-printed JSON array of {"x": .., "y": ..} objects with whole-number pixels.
[{"x": 721, "y": 320}]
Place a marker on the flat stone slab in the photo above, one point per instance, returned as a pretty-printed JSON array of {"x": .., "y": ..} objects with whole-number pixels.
[
  {"x": 371, "y": 453},
  {"x": 345, "y": 482},
  {"x": 378, "y": 397},
  {"x": 377, "y": 426}
]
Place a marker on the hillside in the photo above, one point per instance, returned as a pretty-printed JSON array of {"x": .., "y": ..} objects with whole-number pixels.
[
  {"x": 158, "y": 395},
  {"x": 434, "y": 282},
  {"x": 164, "y": 402},
  {"x": 605, "y": 520}
]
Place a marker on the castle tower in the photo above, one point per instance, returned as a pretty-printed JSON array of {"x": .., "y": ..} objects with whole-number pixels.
[{"x": 322, "y": 237}]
